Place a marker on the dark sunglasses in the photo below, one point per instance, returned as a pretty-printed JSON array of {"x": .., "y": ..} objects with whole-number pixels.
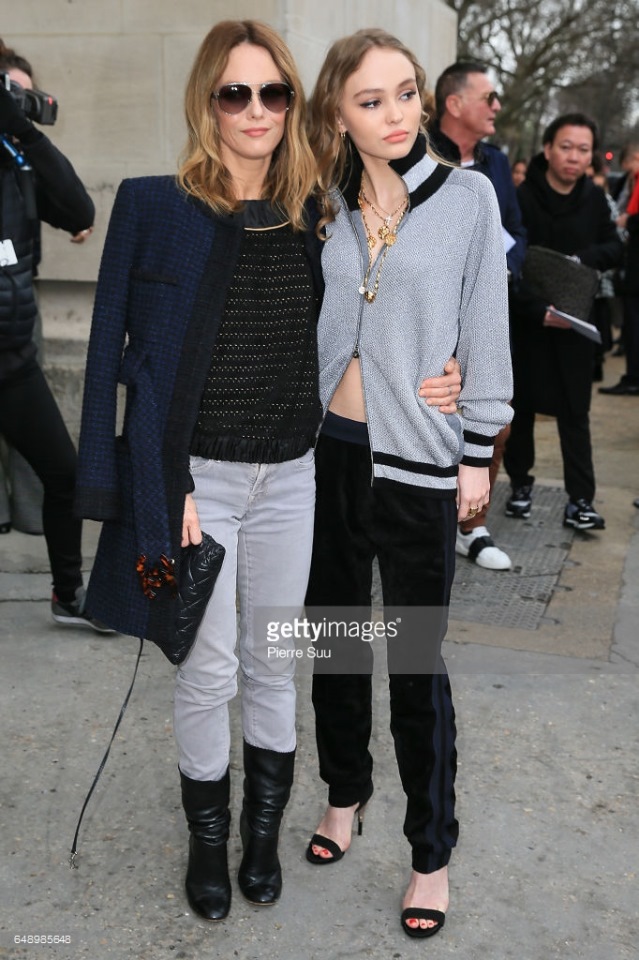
[
  {"x": 490, "y": 97},
  {"x": 233, "y": 98}
]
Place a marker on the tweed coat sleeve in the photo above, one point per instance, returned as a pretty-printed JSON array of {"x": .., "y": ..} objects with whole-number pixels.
[{"x": 97, "y": 483}]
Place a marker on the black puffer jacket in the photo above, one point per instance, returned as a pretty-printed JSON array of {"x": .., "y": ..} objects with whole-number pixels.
[{"x": 62, "y": 201}]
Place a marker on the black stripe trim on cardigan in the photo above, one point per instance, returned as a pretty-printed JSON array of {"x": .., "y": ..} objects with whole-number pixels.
[
  {"x": 430, "y": 186},
  {"x": 352, "y": 179},
  {"x": 414, "y": 466},
  {"x": 476, "y": 461},
  {"x": 480, "y": 439},
  {"x": 429, "y": 492}
]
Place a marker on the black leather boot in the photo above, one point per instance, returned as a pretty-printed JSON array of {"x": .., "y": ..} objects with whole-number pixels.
[
  {"x": 267, "y": 786},
  {"x": 208, "y": 885}
]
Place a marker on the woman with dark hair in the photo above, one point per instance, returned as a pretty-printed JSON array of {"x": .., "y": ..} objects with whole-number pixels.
[
  {"x": 415, "y": 271},
  {"x": 518, "y": 171}
]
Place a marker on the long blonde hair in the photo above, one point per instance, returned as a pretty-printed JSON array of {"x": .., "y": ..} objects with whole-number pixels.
[
  {"x": 331, "y": 150},
  {"x": 292, "y": 174}
]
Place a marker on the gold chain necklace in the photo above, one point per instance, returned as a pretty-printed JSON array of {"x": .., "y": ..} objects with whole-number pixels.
[
  {"x": 385, "y": 232},
  {"x": 388, "y": 240}
]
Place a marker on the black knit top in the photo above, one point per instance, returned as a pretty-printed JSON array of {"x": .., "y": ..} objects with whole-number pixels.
[{"x": 261, "y": 400}]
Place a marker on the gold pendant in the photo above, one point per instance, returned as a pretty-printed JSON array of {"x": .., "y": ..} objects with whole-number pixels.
[
  {"x": 383, "y": 232},
  {"x": 370, "y": 241},
  {"x": 390, "y": 239},
  {"x": 369, "y": 296}
]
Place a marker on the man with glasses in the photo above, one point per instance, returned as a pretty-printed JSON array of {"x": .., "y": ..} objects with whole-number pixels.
[
  {"x": 552, "y": 364},
  {"x": 467, "y": 105}
]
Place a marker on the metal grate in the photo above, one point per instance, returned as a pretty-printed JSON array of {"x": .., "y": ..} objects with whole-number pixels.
[{"x": 538, "y": 548}]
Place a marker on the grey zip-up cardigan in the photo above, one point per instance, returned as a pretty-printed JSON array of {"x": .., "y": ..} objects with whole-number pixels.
[{"x": 442, "y": 291}]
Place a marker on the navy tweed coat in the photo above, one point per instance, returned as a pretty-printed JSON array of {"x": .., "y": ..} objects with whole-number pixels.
[{"x": 167, "y": 263}]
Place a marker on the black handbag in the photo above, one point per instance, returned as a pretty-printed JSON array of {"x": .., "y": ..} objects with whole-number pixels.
[
  {"x": 200, "y": 566},
  {"x": 561, "y": 281}
]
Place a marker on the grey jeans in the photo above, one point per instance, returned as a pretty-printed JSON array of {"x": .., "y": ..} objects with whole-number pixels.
[{"x": 263, "y": 516}]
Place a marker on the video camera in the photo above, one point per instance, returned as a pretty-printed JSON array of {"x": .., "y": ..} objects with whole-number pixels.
[{"x": 35, "y": 104}]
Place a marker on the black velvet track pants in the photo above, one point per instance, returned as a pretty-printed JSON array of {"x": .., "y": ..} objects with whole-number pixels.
[{"x": 413, "y": 537}]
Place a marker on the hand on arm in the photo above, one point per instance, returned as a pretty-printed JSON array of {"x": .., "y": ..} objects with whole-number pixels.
[
  {"x": 443, "y": 392},
  {"x": 473, "y": 491},
  {"x": 191, "y": 532}
]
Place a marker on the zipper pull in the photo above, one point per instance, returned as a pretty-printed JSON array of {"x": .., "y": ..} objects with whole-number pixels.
[{"x": 356, "y": 354}]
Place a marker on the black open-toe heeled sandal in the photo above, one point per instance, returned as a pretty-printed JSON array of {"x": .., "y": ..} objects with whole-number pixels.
[
  {"x": 421, "y": 913},
  {"x": 317, "y": 840}
]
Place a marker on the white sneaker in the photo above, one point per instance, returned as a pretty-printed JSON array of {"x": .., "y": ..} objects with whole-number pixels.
[{"x": 479, "y": 546}]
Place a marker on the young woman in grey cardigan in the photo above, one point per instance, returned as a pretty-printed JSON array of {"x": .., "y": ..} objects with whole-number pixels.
[{"x": 415, "y": 271}]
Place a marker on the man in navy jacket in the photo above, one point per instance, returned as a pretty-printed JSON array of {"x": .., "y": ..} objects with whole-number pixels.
[{"x": 466, "y": 106}]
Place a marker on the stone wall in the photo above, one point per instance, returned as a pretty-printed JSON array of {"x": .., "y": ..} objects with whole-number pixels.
[{"x": 118, "y": 69}]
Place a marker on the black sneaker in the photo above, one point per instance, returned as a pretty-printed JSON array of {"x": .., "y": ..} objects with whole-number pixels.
[
  {"x": 625, "y": 388},
  {"x": 73, "y": 614},
  {"x": 582, "y": 516},
  {"x": 519, "y": 503}
]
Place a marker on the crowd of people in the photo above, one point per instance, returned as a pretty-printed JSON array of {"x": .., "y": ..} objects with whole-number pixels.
[{"x": 325, "y": 325}]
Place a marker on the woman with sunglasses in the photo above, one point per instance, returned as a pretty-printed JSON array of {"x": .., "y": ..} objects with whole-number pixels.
[
  {"x": 206, "y": 309},
  {"x": 415, "y": 271}
]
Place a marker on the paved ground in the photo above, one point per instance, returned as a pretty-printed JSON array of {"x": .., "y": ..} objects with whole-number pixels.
[{"x": 548, "y": 777}]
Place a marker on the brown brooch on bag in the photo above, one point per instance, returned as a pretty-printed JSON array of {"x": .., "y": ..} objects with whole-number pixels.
[{"x": 153, "y": 578}]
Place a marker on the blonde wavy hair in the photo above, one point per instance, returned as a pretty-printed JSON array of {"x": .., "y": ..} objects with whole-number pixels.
[
  {"x": 333, "y": 152},
  {"x": 292, "y": 175}
]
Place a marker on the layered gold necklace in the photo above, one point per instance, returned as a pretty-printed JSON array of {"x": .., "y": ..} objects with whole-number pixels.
[{"x": 387, "y": 233}]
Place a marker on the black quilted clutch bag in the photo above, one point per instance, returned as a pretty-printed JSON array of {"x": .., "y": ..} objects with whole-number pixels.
[
  {"x": 199, "y": 569},
  {"x": 561, "y": 281}
]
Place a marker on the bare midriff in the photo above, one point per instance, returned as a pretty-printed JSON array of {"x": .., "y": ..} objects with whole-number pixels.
[{"x": 348, "y": 399}]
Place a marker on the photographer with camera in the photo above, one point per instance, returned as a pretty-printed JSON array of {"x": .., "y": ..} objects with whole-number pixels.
[{"x": 37, "y": 183}]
